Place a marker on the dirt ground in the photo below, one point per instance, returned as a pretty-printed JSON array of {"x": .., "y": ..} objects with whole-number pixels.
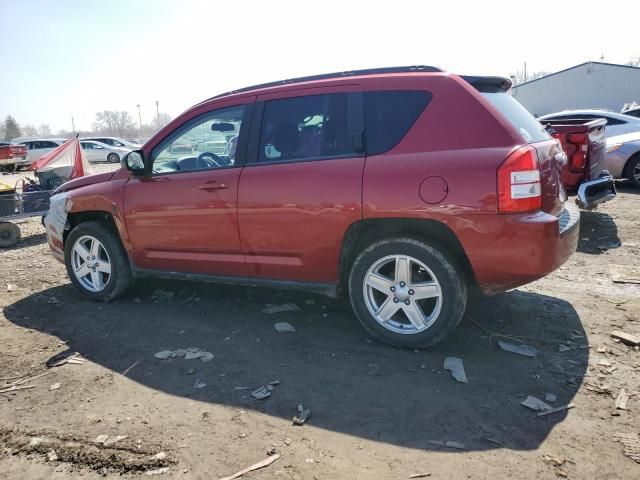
[{"x": 377, "y": 412}]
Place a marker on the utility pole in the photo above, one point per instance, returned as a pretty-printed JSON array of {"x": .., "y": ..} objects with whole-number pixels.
[
  {"x": 158, "y": 109},
  {"x": 139, "y": 117}
]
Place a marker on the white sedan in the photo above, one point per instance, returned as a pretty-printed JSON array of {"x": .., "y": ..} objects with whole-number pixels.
[{"x": 96, "y": 152}]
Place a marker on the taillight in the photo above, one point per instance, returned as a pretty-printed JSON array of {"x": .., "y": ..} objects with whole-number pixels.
[
  {"x": 519, "y": 188},
  {"x": 578, "y": 158}
]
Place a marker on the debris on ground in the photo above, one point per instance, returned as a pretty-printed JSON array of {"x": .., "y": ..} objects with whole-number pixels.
[
  {"x": 52, "y": 456},
  {"x": 111, "y": 440},
  {"x": 10, "y": 287},
  {"x": 101, "y": 439},
  {"x": 285, "y": 307},
  {"x": 157, "y": 471},
  {"x": 256, "y": 466},
  {"x": 626, "y": 338},
  {"x": 550, "y": 397},
  {"x": 621, "y": 399},
  {"x": 456, "y": 367},
  {"x": 631, "y": 443},
  {"x": 556, "y": 463},
  {"x": 161, "y": 295},
  {"x": 159, "y": 456},
  {"x": 190, "y": 353},
  {"x": 518, "y": 348},
  {"x": 604, "y": 363},
  {"x": 72, "y": 358},
  {"x": 199, "y": 384},
  {"x": 556, "y": 410},
  {"x": 535, "y": 404},
  {"x": 261, "y": 393},
  {"x": 55, "y": 386},
  {"x": 624, "y": 274},
  {"x": 419, "y": 475},
  {"x": 284, "y": 327},
  {"x": 303, "y": 415},
  {"x": 18, "y": 384}
]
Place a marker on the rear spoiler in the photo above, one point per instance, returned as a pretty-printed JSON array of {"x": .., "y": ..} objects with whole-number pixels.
[{"x": 488, "y": 84}]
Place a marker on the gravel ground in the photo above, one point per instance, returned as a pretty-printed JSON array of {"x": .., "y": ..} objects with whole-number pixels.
[{"x": 377, "y": 412}]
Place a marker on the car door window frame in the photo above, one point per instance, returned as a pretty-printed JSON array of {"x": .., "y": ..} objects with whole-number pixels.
[
  {"x": 241, "y": 148},
  {"x": 355, "y": 126}
]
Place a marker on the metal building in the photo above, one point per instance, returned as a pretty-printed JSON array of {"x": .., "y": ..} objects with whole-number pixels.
[{"x": 588, "y": 85}]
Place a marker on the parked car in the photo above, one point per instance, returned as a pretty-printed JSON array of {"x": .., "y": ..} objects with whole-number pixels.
[
  {"x": 97, "y": 152},
  {"x": 623, "y": 157},
  {"x": 114, "y": 142},
  {"x": 584, "y": 172},
  {"x": 617, "y": 123},
  {"x": 401, "y": 188},
  {"x": 634, "y": 112},
  {"x": 38, "y": 147},
  {"x": 12, "y": 156}
]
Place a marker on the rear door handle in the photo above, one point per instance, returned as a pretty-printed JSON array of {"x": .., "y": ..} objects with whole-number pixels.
[{"x": 213, "y": 186}]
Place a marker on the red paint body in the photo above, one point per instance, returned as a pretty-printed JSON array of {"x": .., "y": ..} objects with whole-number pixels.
[{"x": 288, "y": 221}]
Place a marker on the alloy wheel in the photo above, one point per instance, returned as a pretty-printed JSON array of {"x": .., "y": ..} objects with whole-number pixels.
[{"x": 91, "y": 263}]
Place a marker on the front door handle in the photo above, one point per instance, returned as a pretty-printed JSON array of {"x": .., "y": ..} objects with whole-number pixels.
[{"x": 213, "y": 186}]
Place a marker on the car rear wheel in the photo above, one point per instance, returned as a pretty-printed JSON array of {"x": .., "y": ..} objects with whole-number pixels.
[
  {"x": 113, "y": 158},
  {"x": 633, "y": 171},
  {"x": 406, "y": 293},
  {"x": 96, "y": 262}
]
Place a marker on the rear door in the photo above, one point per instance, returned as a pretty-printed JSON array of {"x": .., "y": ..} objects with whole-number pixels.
[{"x": 302, "y": 185}]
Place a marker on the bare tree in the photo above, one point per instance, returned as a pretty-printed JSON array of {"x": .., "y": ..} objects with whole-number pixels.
[
  {"x": 635, "y": 61},
  {"x": 11, "y": 128},
  {"x": 44, "y": 130},
  {"x": 3, "y": 130},
  {"x": 161, "y": 120},
  {"x": 29, "y": 131},
  {"x": 521, "y": 76},
  {"x": 114, "y": 123}
]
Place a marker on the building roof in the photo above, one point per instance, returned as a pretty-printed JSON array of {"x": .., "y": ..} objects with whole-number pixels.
[{"x": 577, "y": 66}]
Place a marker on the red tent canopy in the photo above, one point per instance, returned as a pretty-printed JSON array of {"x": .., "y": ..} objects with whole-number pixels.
[{"x": 68, "y": 158}]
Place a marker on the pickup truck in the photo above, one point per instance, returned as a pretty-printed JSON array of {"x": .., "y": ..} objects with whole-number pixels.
[
  {"x": 12, "y": 156},
  {"x": 584, "y": 173}
]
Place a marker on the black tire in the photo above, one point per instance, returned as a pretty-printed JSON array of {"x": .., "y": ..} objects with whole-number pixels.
[
  {"x": 113, "y": 158},
  {"x": 121, "y": 277},
  {"x": 452, "y": 286},
  {"x": 633, "y": 169},
  {"x": 9, "y": 234}
]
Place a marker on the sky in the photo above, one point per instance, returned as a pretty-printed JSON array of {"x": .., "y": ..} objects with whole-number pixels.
[{"x": 67, "y": 58}]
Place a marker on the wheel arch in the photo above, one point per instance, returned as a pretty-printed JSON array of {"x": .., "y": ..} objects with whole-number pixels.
[
  {"x": 76, "y": 218},
  {"x": 627, "y": 165},
  {"x": 362, "y": 233}
]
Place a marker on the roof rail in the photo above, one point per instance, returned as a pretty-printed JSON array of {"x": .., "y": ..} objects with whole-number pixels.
[{"x": 325, "y": 76}]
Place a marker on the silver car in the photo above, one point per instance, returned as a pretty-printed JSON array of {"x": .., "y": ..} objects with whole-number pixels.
[
  {"x": 623, "y": 157},
  {"x": 96, "y": 152}
]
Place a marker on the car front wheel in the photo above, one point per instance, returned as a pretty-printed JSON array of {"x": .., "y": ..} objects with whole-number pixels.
[
  {"x": 113, "y": 158},
  {"x": 96, "y": 262},
  {"x": 406, "y": 293},
  {"x": 633, "y": 171}
]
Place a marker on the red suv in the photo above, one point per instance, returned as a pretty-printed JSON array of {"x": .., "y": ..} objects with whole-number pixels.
[{"x": 403, "y": 187}]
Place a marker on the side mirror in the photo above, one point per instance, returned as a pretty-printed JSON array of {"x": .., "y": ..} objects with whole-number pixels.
[{"x": 134, "y": 161}]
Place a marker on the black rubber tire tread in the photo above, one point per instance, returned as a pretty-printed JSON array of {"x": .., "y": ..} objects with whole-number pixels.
[
  {"x": 633, "y": 163},
  {"x": 121, "y": 276},
  {"x": 111, "y": 155},
  {"x": 9, "y": 234},
  {"x": 452, "y": 283}
]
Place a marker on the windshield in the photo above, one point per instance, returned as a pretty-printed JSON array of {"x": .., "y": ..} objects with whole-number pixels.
[{"x": 519, "y": 116}]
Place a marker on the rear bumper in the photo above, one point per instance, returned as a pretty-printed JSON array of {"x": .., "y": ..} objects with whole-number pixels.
[
  {"x": 593, "y": 193},
  {"x": 513, "y": 250}
]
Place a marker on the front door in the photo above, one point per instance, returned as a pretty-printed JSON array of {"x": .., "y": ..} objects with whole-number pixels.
[
  {"x": 301, "y": 187},
  {"x": 183, "y": 217}
]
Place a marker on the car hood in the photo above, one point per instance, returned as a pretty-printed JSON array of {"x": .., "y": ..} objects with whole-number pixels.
[
  {"x": 625, "y": 138},
  {"x": 83, "y": 181}
]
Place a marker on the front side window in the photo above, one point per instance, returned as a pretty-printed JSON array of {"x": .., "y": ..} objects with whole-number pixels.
[
  {"x": 304, "y": 128},
  {"x": 207, "y": 142},
  {"x": 86, "y": 146}
]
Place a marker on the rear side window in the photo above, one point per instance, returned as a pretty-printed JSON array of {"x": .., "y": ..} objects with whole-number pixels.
[
  {"x": 305, "y": 128},
  {"x": 388, "y": 116},
  {"x": 520, "y": 118}
]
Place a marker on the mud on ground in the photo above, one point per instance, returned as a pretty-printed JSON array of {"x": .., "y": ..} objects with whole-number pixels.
[{"x": 377, "y": 412}]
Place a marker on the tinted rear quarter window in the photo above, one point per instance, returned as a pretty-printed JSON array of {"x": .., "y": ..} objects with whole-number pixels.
[
  {"x": 388, "y": 116},
  {"x": 518, "y": 116}
]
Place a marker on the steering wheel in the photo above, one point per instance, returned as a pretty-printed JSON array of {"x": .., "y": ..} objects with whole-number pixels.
[{"x": 209, "y": 160}]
